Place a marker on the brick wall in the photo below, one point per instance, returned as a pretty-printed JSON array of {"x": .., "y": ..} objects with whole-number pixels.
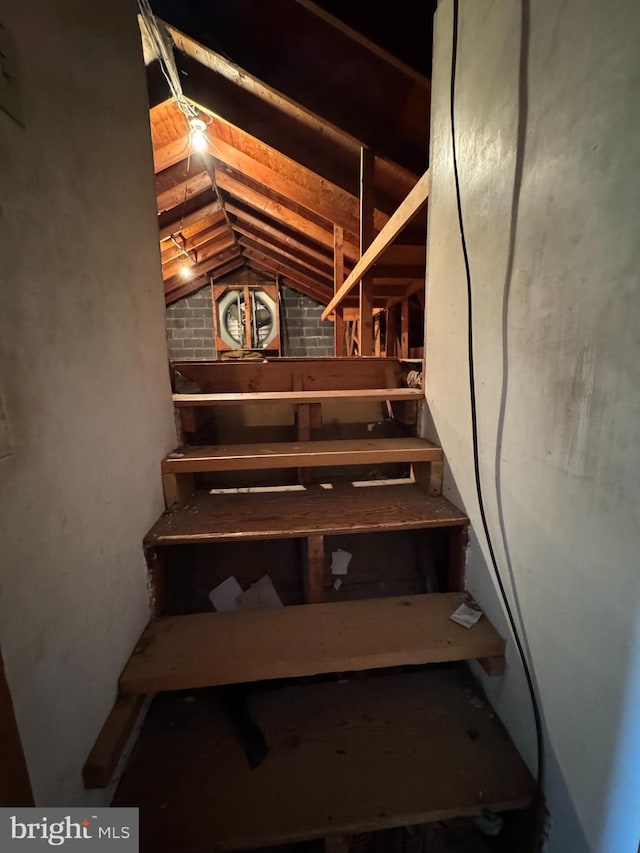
[
  {"x": 190, "y": 323},
  {"x": 190, "y": 326},
  {"x": 304, "y": 333}
]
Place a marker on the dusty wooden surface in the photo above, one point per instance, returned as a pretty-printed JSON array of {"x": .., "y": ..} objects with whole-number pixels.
[
  {"x": 274, "y": 515},
  {"x": 347, "y": 395},
  {"x": 209, "y": 649},
  {"x": 344, "y": 758},
  {"x": 316, "y": 374},
  {"x": 291, "y": 454}
]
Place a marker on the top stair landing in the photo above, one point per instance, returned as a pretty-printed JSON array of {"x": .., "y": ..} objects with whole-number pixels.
[{"x": 292, "y": 374}]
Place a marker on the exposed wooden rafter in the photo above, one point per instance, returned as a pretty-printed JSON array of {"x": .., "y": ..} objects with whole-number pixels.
[{"x": 407, "y": 210}]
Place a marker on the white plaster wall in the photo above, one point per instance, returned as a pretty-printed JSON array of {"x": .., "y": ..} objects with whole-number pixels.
[
  {"x": 83, "y": 376},
  {"x": 548, "y": 100}
]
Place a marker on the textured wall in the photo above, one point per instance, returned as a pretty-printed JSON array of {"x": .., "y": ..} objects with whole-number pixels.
[
  {"x": 548, "y": 135},
  {"x": 83, "y": 377},
  {"x": 190, "y": 326},
  {"x": 306, "y": 334}
]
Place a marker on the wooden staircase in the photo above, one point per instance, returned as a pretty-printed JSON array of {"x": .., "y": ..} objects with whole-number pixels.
[{"x": 187, "y": 651}]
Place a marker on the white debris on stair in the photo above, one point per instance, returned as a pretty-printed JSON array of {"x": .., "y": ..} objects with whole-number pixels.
[
  {"x": 225, "y": 595},
  {"x": 466, "y": 616},
  {"x": 340, "y": 560},
  {"x": 337, "y": 584},
  {"x": 261, "y": 595},
  {"x": 229, "y": 595}
]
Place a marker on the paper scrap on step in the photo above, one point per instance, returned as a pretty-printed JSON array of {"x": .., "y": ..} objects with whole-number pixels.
[
  {"x": 261, "y": 595},
  {"x": 225, "y": 595},
  {"x": 337, "y": 584},
  {"x": 340, "y": 562},
  {"x": 466, "y": 616}
]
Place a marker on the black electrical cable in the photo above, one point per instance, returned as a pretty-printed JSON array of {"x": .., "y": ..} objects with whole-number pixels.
[{"x": 474, "y": 423}]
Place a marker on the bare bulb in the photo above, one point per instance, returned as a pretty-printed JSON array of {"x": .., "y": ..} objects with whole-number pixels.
[
  {"x": 185, "y": 272},
  {"x": 198, "y": 137}
]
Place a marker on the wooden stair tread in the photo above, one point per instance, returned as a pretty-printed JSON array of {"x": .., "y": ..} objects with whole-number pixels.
[
  {"x": 292, "y": 514},
  {"x": 345, "y": 758},
  {"x": 319, "y": 396},
  {"x": 290, "y": 454},
  {"x": 211, "y": 649}
]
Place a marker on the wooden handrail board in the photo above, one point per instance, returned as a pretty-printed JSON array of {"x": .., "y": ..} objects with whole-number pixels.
[
  {"x": 297, "y": 397},
  {"x": 405, "y": 212},
  {"x": 211, "y": 649},
  {"x": 290, "y": 515},
  {"x": 290, "y": 454},
  {"x": 393, "y": 750}
]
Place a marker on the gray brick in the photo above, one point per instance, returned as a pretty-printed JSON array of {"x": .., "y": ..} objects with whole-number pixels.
[
  {"x": 294, "y": 313},
  {"x": 187, "y": 353},
  {"x": 199, "y": 343}
]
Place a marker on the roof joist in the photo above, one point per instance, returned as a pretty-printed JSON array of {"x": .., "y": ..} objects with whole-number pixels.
[{"x": 283, "y": 124}]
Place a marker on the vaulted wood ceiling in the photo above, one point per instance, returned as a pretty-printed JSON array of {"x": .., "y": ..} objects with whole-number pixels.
[{"x": 281, "y": 167}]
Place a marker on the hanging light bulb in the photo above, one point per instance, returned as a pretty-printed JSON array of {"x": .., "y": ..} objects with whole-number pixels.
[
  {"x": 198, "y": 138},
  {"x": 185, "y": 271}
]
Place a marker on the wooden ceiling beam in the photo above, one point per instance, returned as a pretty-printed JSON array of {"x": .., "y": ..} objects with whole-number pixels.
[
  {"x": 285, "y": 176},
  {"x": 179, "y": 193},
  {"x": 203, "y": 268},
  {"x": 281, "y": 123},
  {"x": 264, "y": 164},
  {"x": 311, "y": 285},
  {"x": 207, "y": 251},
  {"x": 180, "y": 225},
  {"x": 416, "y": 199},
  {"x": 320, "y": 128},
  {"x": 165, "y": 156},
  {"x": 283, "y": 278},
  {"x": 269, "y": 243},
  {"x": 280, "y": 213},
  {"x": 253, "y": 227},
  {"x": 195, "y": 284},
  {"x": 214, "y": 247},
  {"x": 286, "y": 258},
  {"x": 192, "y": 243}
]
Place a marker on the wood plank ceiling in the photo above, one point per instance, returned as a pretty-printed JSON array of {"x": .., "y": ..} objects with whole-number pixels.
[{"x": 281, "y": 166}]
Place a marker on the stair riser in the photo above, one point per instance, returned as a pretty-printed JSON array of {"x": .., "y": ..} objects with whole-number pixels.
[{"x": 178, "y": 487}]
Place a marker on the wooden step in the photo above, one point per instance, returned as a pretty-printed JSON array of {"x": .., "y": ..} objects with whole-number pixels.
[
  {"x": 344, "y": 758},
  {"x": 290, "y": 454},
  {"x": 211, "y": 649},
  {"x": 293, "y": 514},
  {"x": 297, "y": 397}
]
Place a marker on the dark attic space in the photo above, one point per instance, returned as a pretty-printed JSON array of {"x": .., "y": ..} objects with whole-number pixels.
[{"x": 318, "y": 407}]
